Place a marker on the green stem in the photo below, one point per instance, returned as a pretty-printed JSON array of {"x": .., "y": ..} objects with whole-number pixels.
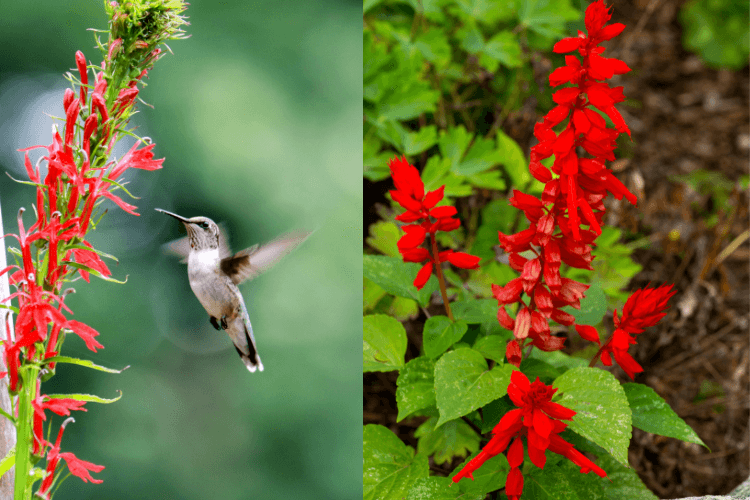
[
  {"x": 24, "y": 430},
  {"x": 441, "y": 280}
]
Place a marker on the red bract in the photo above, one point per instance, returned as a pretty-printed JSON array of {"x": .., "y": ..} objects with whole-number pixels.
[
  {"x": 537, "y": 418},
  {"x": 420, "y": 207},
  {"x": 644, "y": 308},
  {"x": 574, "y": 192}
]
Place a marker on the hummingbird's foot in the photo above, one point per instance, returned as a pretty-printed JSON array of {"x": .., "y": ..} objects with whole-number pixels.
[
  {"x": 224, "y": 324},
  {"x": 215, "y": 323}
]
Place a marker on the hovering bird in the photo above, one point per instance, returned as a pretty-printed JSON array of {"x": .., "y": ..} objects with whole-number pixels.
[{"x": 214, "y": 274}]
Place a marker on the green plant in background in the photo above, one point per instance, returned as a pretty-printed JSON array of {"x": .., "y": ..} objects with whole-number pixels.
[
  {"x": 80, "y": 176},
  {"x": 719, "y": 30}
]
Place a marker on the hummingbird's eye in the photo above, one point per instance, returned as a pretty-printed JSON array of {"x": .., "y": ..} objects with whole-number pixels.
[{"x": 203, "y": 225}]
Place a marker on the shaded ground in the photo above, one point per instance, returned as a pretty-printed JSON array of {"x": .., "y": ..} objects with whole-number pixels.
[{"x": 690, "y": 118}]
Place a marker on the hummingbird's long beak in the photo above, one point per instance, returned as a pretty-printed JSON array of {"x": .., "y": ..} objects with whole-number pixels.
[{"x": 178, "y": 217}]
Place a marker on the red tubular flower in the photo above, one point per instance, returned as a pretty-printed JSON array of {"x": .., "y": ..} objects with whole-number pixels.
[
  {"x": 644, "y": 308},
  {"x": 423, "y": 218},
  {"x": 537, "y": 418}
]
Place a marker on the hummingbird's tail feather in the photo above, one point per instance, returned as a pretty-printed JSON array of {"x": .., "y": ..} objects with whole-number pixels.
[{"x": 241, "y": 333}]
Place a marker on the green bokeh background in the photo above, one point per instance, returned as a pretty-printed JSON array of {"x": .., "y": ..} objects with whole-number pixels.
[{"x": 258, "y": 115}]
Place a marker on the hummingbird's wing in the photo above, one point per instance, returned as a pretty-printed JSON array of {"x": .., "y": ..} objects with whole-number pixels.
[
  {"x": 181, "y": 246},
  {"x": 250, "y": 262}
]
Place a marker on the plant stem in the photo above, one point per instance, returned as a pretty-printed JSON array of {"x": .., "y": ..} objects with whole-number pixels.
[
  {"x": 24, "y": 431},
  {"x": 441, "y": 280}
]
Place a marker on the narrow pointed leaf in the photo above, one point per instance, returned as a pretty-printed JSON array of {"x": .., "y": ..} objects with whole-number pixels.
[{"x": 83, "y": 362}]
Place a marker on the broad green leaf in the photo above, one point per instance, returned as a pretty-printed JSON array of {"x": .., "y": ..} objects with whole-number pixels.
[
  {"x": 383, "y": 343},
  {"x": 652, "y": 414},
  {"x": 390, "y": 467},
  {"x": 415, "y": 386},
  {"x": 546, "y": 17},
  {"x": 505, "y": 48},
  {"x": 8, "y": 461},
  {"x": 82, "y": 362},
  {"x": 491, "y": 347},
  {"x": 491, "y": 179},
  {"x": 470, "y": 38},
  {"x": 86, "y": 397},
  {"x": 383, "y": 238},
  {"x": 453, "y": 144},
  {"x": 434, "y": 172},
  {"x": 407, "y": 102},
  {"x": 452, "y": 439},
  {"x": 463, "y": 383},
  {"x": 603, "y": 414},
  {"x": 593, "y": 306},
  {"x": 403, "y": 309},
  {"x": 481, "y": 156},
  {"x": 421, "y": 140},
  {"x": 440, "y": 333},
  {"x": 564, "y": 481},
  {"x": 475, "y": 311},
  {"x": 396, "y": 277},
  {"x": 513, "y": 160},
  {"x": 489, "y": 477},
  {"x": 369, "y": 4},
  {"x": 623, "y": 482},
  {"x": 560, "y": 360},
  {"x": 534, "y": 368},
  {"x": 371, "y": 294},
  {"x": 438, "y": 488}
]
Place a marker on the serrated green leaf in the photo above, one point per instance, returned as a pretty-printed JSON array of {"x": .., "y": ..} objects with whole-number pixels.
[
  {"x": 593, "y": 306},
  {"x": 603, "y": 414},
  {"x": 438, "y": 488},
  {"x": 434, "y": 172},
  {"x": 463, "y": 383},
  {"x": 383, "y": 343},
  {"x": 390, "y": 467},
  {"x": 470, "y": 38},
  {"x": 453, "y": 144},
  {"x": 481, "y": 156},
  {"x": 488, "y": 180},
  {"x": 421, "y": 140},
  {"x": 563, "y": 481},
  {"x": 82, "y": 362},
  {"x": 86, "y": 397},
  {"x": 415, "y": 387},
  {"x": 452, "y": 439},
  {"x": 489, "y": 477},
  {"x": 396, "y": 277},
  {"x": 440, "y": 333},
  {"x": 652, "y": 414},
  {"x": 622, "y": 482},
  {"x": 434, "y": 47},
  {"x": 505, "y": 48}
]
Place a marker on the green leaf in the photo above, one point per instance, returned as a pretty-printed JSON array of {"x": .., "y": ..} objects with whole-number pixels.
[
  {"x": 559, "y": 360},
  {"x": 564, "y": 481},
  {"x": 488, "y": 180},
  {"x": 98, "y": 252},
  {"x": 383, "y": 343},
  {"x": 489, "y": 477},
  {"x": 383, "y": 237},
  {"x": 505, "y": 48},
  {"x": 371, "y": 294},
  {"x": 623, "y": 481},
  {"x": 603, "y": 414},
  {"x": 453, "y": 143},
  {"x": 86, "y": 397},
  {"x": 534, "y": 368},
  {"x": 475, "y": 311},
  {"x": 652, "y": 414},
  {"x": 494, "y": 411},
  {"x": 593, "y": 306},
  {"x": 546, "y": 17},
  {"x": 453, "y": 439},
  {"x": 471, "y": 39},
  {"x": 513, "y": 160},
  {"x": 481, "y": 156},
  {"x": 434, "y": 172},
  {"x": 434, "y": 47},
  {"x": 82, "y": 362},
  {"x": 93, "y": 271},
  {"x": 464, "y": 383},
  {"x": 440, "y": 333},
  {"x": 422, "y": 140},
  {"x": 438, "y": 488},
  {"x": 396, "y": 277},
  {"x": 8, "y": 461},
  {"x": 390, "y": 467},
  {"x": 415, "y": 387},
  {"x": 491, "y": 347}
]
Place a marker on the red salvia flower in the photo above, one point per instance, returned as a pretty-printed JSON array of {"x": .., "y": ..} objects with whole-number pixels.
[
  {"x": 644, "y": 308},
  {"x": 538, "y": 419},
  {"x": 423, "y": 219}
]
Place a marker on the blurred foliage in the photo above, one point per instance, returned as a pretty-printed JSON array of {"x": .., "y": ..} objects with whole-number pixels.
[
  {"x": 719, "y": 30},
  {"x": 256, "y": 133}
]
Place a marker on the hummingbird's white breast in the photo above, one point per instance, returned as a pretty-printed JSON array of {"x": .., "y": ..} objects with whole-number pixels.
[{"x": 208, "y": 282}]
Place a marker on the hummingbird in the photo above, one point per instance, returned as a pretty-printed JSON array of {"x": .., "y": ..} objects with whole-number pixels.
[{"x": 214, "y": 274}]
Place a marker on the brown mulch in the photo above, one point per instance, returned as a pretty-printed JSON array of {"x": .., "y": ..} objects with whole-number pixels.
[{"x": 691, "y": 117}]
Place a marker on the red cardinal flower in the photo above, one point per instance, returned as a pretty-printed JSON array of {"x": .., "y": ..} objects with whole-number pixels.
[
  {"x": 537, "y": 418},
  {"x": 424, "y": 219}
]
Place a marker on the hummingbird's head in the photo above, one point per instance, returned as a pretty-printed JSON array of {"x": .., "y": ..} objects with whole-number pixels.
[{"x": 203, "y": 233}]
